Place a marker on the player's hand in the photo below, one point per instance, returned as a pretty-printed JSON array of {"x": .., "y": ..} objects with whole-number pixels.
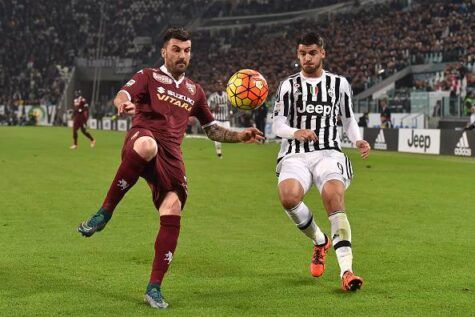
[
  {"x": 363, "y": 147},
  {"x": 126, "y": 108},
  {"x": 305, "y": 135},
  {"x": 251, "y": 135}
]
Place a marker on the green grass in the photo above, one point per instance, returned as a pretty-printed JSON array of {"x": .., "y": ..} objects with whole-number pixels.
[{"x": 412, "y": 217}]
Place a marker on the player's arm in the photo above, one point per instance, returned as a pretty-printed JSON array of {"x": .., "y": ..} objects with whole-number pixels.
[
  {"x": 123, "y": 103},
  {"x": 216, "y": 132},
  {"x": 134, "y": 89},
  {"x": 350, "y": 126},
  {"x": 220, "y": 134},
  {"x": 281, "y": 111}
]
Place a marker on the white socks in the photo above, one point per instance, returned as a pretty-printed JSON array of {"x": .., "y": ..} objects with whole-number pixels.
[
  {"x": 303, "y": 218},
  {"x": 341, "y": 236}
]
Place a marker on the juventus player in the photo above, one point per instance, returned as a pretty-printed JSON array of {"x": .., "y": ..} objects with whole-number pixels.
[
  {"x": 305, "y": 117},
  {"x": 219, "y": 105}
]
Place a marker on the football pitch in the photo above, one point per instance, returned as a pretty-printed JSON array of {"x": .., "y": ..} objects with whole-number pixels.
[{"x": 412, "y": 218}]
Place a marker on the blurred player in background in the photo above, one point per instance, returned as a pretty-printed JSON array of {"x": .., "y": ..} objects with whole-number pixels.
[
  {"x": 80, "y": 116},
  {"x": 221, "y": 110},
  {"x": 161, "y": 100},
  {"x": 305, "y": 117}
]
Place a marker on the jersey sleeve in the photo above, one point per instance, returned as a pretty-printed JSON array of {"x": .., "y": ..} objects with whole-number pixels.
[
  {"x": 201, "y": 109},
  {"x": 347, "y": 117},
  {"x": 280, "y": 125},
  {"x": 136, "y": 87}
]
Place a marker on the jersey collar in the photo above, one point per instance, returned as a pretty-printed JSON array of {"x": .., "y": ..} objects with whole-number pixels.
[
  {"x": 313, "y": 79},
  {"x": 164, "y": 69}
]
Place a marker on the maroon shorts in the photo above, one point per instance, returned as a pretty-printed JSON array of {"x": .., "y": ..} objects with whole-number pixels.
[
  {"x": 79, "y": 121},
  {"x": 164, "y": 173}
]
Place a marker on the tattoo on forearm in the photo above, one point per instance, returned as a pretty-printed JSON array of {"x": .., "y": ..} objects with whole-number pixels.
[{"x": 220, "y": 134}]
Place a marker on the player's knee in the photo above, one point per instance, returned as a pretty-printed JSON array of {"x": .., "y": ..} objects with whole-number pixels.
[
  {"x": 333, "y": 201},
  {"x": 171, "y": 205},
  {"x": 146, "y": 147},
  {"x": 333, "y": 195},
  {"x": 290, "y": 198}
]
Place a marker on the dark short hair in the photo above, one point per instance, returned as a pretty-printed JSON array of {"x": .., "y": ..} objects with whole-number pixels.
[
  {"x": 176, "y": 33},
  {"x": 311, "y": 38}
]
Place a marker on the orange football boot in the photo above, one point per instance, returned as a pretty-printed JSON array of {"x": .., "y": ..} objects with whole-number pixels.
[
  {"x": 351, "y": 282},
  {"x": 317, "y": 267}
]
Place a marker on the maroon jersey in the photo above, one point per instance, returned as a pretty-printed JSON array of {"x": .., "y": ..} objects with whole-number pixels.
[
  {"x": 164, "y": 104},
  {"x": 81, "y": 110}
]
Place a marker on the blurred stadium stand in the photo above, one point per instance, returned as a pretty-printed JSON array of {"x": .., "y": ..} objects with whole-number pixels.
[{"x": 412, "y": 52}]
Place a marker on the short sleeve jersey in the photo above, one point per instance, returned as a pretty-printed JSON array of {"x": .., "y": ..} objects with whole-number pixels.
[
  {"x": 163, "y": 104},
  {"x": 80, "y": 106}
]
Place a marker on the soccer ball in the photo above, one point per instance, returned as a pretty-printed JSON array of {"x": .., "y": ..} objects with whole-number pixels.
[{"x": 247, "y": 89}]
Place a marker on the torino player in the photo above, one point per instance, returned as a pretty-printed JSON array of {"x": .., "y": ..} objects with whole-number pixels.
[
  {"x": 81, "y": 114},
  {"x": 161, "y": 100}
]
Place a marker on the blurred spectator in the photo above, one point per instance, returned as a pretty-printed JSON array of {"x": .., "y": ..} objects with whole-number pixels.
[
  {"x": 363, "y": 120},
  {"x": 385, "y": 114}
]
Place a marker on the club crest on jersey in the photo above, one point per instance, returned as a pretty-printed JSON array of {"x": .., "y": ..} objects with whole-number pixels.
[
  {"x": 314, "y": 90},
  {"x": 331, "y": 92},
  {"x": 297, "y": 90},
  {"x": 191, "y": 88},
  {"x": 164, "y": 79}
]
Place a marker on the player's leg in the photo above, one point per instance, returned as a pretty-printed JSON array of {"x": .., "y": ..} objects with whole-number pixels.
[
  {"x": 88, "y": 135},
  {"x": 294, "y": 182},
  {"x": 217, "y": 146},
  {"x": 75, "y": 137},
  {"x": 165, "y": 245},
  {"x": 135, "y": 158},
  {"x": 335, "y": 176}
]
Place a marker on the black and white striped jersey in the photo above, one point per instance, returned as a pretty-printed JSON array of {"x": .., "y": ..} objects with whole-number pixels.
[
  {"x": 219, "y": 105},
  {"x": 316, "y": 104}
]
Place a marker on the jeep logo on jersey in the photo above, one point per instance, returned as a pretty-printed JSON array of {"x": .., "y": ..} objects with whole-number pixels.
[
  {"x": 462, "y": 147},
  {"x": 164, "y": 79},
  {"x": 321, "y": 110}
]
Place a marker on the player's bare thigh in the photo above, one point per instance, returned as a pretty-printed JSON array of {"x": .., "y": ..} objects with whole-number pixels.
[
  {"x": 146, "y": 147},
  {"x": 171, "y": 205},
  {"x": 291, "y": 193}
]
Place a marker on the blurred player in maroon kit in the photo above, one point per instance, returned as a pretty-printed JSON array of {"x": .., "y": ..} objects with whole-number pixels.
[
  {"x": 80, "y": 115},
  {"x": 161, "y": 100}
]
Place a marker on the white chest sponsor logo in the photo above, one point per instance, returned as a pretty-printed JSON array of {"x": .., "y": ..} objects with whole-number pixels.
[
  {"x": 164, "y": 79},
  {"x": 462, "y": 147},
  {"x": 317, "y": 109},
  {"x": 161, "y": 90}
]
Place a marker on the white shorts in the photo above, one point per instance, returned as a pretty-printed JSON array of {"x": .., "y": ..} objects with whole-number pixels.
[{"x": 316, "y": 168}]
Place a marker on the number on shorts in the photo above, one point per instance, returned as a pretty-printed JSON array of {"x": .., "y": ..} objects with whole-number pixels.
[{"x": 340, "y": 167}]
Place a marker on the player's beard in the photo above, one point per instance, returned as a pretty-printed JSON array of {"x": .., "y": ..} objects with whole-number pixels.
[
  {"x": 177, "y": 68},
  {"x": 312, "y": 69}
]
